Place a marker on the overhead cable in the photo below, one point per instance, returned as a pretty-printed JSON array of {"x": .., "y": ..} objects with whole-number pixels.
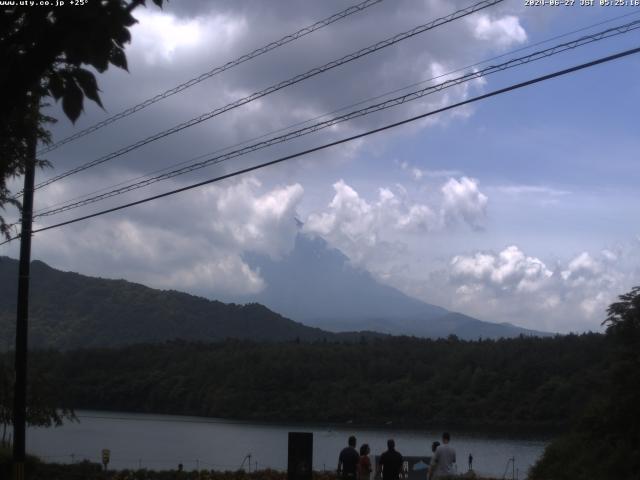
[
  {"x": 341, "y": 109},
  {"x": 493, "y": 93},
  {"x": 274, "y": 88},
  {"x": 214, "y": 71},
  {"x": 393, "y": 102}
]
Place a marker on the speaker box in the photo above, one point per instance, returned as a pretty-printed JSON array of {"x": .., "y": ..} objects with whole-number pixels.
[{"x": 300, "y": 463}]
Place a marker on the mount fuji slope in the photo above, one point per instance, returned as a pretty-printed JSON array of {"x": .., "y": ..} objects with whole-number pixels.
[{"x": 318, "y": 286}]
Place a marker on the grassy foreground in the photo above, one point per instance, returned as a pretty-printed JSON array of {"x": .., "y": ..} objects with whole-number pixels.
[{"x": 38, "y": 470}]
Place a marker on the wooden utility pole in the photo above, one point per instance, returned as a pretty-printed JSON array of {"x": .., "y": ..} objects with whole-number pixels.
[{"x": 22, "y": 320}]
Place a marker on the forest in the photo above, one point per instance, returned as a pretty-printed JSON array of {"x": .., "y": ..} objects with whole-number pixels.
[{"x": 513, "y": 384}]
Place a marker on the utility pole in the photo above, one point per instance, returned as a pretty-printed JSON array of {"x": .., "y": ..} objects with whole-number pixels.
[{"x": 22, "y": 320}]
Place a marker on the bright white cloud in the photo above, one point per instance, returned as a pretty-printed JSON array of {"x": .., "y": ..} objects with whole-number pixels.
[
  {"x": 241, "y": 216},
  {"x": 510, "y": 270},
  {"x": 360, "y": 228},
  {"x": 462, "y": 200},
  {"x": 512, "y": 286},
  {"x": 503, "y": 32},
  {"x": 581, "y": 269},
  {"x": 162, "y": 37}
]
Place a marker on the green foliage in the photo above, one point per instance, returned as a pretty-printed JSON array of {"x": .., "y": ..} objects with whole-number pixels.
[
  {"x": 45, "y": 52},
  {"x": 68, "y": 310},
  {"x": 523, "y": 383},
  {"x": 604, "y": 442},
  {"x": 43, "y": 407}
]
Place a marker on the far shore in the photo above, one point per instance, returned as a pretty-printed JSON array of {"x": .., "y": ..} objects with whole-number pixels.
[{"x": 488, "y": 430}]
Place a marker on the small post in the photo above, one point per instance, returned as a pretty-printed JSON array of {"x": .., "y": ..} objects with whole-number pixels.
[{"x": 106, "y": 456}]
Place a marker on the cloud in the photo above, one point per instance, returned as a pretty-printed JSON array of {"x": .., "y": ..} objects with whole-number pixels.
[
  {"x": 464, "y": 201},
  {"x": 226, "y": 275},
  {"x": 420, "y": 174},
  {"x": 224, "y": 222},
  {"x": 359, "y": 227},
  {"x": 517, "y": 190},
  {"x": 251, "y": 221},
  {"x": 512, "y": 286},
  {"x": 511, "y": 270},
  {"x": 503, "y": 32},
  {"x": 162, "y": 37}
]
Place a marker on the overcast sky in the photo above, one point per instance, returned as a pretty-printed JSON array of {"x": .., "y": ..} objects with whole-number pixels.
[{"x": 520, "y": 208}]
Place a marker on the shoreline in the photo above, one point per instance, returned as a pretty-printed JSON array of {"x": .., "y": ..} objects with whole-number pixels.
[{"x": 491, "y": 431}]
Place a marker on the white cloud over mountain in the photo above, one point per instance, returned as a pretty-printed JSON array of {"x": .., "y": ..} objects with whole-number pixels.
[
  {"x": 512, "y": 286},
  {"x": 360, "y": 227}
]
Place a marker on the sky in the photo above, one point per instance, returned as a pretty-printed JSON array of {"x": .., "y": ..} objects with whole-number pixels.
[{"x": 518, "y": 208}]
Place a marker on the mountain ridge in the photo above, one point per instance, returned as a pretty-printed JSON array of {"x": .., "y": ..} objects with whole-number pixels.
[
  {"x": 317, "y": 285},
  {"x": 70, "y": 310}
]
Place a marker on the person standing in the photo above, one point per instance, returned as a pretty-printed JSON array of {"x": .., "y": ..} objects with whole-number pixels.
[
  {"x": 390, "y": 464},
  {"x": 348, "y": 460},
  {"x": 443, "y": 460},
  {"x": 364, "y": 464}
]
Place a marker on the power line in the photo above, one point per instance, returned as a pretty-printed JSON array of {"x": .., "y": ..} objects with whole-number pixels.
[
  {"x": 279, "y": 86},
  {"x": 215, "y": 71},
  {"x": 393, "y": 102},
  {"x": 348, "y": 139},
  {"x": 341, "y": 109}
]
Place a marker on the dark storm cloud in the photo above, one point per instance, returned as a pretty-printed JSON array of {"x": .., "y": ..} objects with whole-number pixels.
[{"x": 257, "y": 24}]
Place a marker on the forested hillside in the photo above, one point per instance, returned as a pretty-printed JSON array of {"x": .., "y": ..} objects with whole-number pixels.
[
  {"x": 68, "y": 310},
  {"x": 532, "y": 383}
]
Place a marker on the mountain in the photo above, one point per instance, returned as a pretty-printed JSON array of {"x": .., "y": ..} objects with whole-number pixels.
[
  {"x": 314, "y": 285},
  {"x": 68, "y": 310},
  {"x": 317, "y": 285}
]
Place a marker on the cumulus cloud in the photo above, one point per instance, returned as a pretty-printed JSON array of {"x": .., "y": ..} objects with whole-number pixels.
[
  {"x": 510, "y": 270},
  {"x": 251, "y": 221},
  {"x": 463, "y": 200},
  {"x": 503, "y": 31},
  {"x": 512, "y": 286},
  {"x": 358, "y": 226},
  {"x": 224, "y": 221}
]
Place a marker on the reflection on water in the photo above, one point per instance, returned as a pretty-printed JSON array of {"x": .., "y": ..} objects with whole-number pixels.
[{"x": 164, "y": 441}]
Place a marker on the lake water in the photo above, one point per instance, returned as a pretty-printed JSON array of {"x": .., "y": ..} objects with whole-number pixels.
[{"x": 163, "y": 441}]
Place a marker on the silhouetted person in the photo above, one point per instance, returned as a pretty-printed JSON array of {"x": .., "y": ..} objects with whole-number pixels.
[
  {"x": 443, "y": 460},
  {"x": 434, "y": 445},
  {"x": 390, "y": 464},
  {"x": 364, "y": 464},
  {"x": 470, "y": 462},
  {"x": 348, "y": 460}
]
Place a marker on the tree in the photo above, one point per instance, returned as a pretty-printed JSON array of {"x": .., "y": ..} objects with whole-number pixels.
[
  {"x": 46, "y": 52},
  {"x": 43, "y": 408},
  {"x": 605, "y": 440}
]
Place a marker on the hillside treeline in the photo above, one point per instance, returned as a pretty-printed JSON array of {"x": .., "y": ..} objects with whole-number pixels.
[{"x": 531, "y": 383}]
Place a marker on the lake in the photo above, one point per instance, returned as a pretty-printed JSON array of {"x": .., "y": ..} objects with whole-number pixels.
[{"x": 163, "y": 441}]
